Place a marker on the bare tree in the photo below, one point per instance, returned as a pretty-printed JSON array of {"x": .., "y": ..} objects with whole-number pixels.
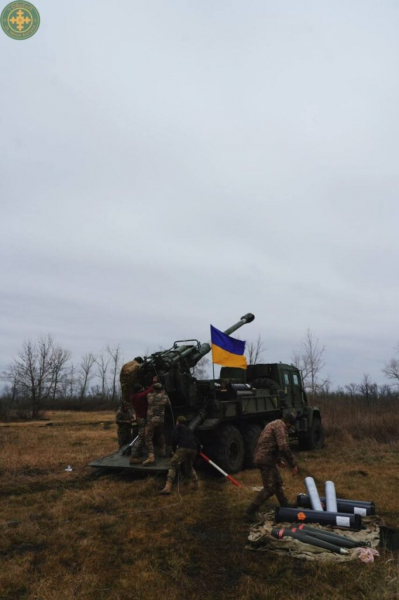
[
  {"x": 115, "y": 355},
  {"x": 85, "y": 372},
  {"x": 325, "y": 387},
  {"x": 385, "y": 391},
  {"x": 368, "y": 389},
  {"x": 60, "y": 357},
  {"x": 10, "y": 375},
  {"x": 309, "y": 360},
  {"x": 200, "y": 370},
  {"x": 352, "y": 389},
  {"x": 254, "y": 351},
  {"x": 35, "y": 370},
  {"x": 391, "y": 369},
  {"x": 71, "y": 381},
  {"x": 102, "y": 367}
]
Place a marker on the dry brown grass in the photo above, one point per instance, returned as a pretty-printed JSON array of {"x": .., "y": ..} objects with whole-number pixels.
[
  {"x": 115, "y": 538},
  {"x": 355, "y": 419}
]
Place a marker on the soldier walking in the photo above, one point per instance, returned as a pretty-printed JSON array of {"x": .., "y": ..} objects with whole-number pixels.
[
  {"x": 123, "y": 419},
  {"x": 157, "y": 402},
  {"x": 185, "y": 447},
  {"x": 272, "y": 444}
]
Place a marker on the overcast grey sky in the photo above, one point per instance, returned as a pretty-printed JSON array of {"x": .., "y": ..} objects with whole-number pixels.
[{"x": 167, "y": 165}]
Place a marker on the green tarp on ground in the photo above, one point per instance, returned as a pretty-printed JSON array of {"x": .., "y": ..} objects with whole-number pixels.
[{"x": 261, "y": 539}]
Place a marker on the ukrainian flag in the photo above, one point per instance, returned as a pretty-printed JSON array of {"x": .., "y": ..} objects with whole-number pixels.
[{"x": 227, "y": 351}]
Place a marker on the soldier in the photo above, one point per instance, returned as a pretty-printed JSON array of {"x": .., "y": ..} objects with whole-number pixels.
[
  {"x": 273, "y": 442},
  {"x": 185, "y": 447},
  {"x": 129, "y": 376},
  {"x": 124, "y": 420},
  {"x": 157, "y": 401},
  {"x": 140, "y": 406}
]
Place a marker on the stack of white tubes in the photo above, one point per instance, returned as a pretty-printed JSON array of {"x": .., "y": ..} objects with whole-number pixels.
[{"x": 331, "y": 496}]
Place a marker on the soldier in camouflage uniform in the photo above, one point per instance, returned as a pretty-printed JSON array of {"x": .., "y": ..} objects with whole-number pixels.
[
  {"x": 185, "y": 447},
  {"x": 140, "y": 406},
  {"x": 124, "y": 420},
  {"x": 129, "y": 376},
  {"x": 272, "y": 443},
  {"x": 157, "y": 402}
]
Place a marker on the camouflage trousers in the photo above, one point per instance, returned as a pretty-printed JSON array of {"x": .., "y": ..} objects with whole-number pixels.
[
  {"x": 272, "y": 484},
  {"x": 182, "y": 457},
  {"x": 124, "y": 435},
  {"x": 138, "y": 446},
  {"x": 154, "y": 428}
]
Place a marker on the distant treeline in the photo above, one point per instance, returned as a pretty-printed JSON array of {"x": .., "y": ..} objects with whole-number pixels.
[{"x": 43, "y": 377}]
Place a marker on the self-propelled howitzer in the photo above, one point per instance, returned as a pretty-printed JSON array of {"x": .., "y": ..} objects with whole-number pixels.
[{"x": 227, "y": 413}]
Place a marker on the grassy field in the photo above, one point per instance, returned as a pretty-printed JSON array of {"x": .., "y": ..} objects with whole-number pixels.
[{"x": 69, "y": 535}]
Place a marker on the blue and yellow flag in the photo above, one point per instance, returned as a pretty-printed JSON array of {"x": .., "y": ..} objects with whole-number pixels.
[{"x": 227, "y": 351}]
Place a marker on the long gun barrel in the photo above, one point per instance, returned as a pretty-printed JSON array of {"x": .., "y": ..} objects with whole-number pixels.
[{"x": 192, "y": 354}]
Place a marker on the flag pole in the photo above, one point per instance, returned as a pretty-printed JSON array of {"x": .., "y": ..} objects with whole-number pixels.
[{"x": 213, "y": 364}]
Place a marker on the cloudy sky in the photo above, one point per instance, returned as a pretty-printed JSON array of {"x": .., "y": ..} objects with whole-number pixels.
[{"x": 167, "y": 165}]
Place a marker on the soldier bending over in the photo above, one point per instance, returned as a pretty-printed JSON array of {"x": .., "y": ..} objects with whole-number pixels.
[
  {"x": 129, "y": 376},
  {"x": 185, "y": 447},
  {"x": 273, "y": 442}
]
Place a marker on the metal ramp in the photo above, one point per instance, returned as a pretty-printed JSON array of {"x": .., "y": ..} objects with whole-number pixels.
[{"x": 118, "y": 461}]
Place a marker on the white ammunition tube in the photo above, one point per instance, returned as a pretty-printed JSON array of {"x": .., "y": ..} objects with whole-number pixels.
[
  {"x": 331, "y": 497},
  {"x": 313, "y": 494}
]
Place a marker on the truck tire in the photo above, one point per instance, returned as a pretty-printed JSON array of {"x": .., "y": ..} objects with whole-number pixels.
[
  {"x": 250, "y": 434},
  {"x": 263, "y": 383},
  {"x": 314, "y": 440},
  {"x": 229, "y": 449}
]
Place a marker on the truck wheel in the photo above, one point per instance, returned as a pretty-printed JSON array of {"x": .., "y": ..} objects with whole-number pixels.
[
  {"x": 251, "y": 435},
  {"x": 229, "y": 449},
  {"x": 263, "y": 383},
  {"x": 315, "y": 438}
]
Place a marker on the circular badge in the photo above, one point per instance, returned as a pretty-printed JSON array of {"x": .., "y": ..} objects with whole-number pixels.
[
  {"x": 301, "y": 516},
  {"x": 20, "y": 20}
]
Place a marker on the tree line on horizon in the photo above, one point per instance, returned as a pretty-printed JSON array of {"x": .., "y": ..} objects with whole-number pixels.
[{"x": 43, "y": 376}]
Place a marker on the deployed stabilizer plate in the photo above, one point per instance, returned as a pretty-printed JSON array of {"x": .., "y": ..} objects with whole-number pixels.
[{"x": 118, "y": 461}]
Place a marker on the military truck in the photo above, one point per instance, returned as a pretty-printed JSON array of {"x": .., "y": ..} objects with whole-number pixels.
[{"x": 229, "y": 413}]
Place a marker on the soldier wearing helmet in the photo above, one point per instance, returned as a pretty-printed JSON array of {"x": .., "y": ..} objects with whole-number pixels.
[{"x": 271, "y": 447}]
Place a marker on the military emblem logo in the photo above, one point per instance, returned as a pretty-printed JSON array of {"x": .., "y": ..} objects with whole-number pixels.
[{"x": 20, "y": 20}]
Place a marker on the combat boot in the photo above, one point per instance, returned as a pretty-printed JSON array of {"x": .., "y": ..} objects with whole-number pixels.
[
  {"x": 168, "y": 487},
  {"x": 162, "y": 452},
  {"x": 250, "y": 513},
  {"x": 135, "y": 460},
  {"x": 150, "y": 460}
]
